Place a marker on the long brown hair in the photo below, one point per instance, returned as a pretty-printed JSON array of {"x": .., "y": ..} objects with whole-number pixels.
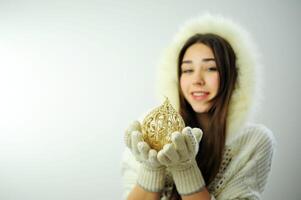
[{"x": 212, "y": 145}]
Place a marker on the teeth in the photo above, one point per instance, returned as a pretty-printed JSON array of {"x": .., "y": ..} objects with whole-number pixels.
[{"x": 199, "y": 93}]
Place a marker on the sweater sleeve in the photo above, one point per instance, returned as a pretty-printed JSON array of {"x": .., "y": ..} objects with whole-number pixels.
[
  {"x": 249, "y": 170},
  {"x": 129, "y": 172}
]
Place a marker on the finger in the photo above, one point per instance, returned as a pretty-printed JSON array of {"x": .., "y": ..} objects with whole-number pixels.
[
  {"x": 162, "y": 158},
  {"x": 127, "y": 139},
  {"x": 136, "y": 137},
  {"x": 152, "y": 156},
  {"x": 134, "y": 126},
  {"x": 190, "y": 141},
  {"x": 198, "y": 134},
  {"x": 143, "y": 149},
  {"x": 171, "y": 153},
  {"x": 178, "y": 140}
]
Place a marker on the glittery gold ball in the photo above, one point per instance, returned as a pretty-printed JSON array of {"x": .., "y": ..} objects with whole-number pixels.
[{"x": 159, "y": 124}]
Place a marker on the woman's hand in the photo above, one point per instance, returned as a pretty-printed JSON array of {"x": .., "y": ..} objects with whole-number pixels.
[
  {"x": 179, "y": 157},
  {"x": 183, "y": 148},
  {"x": 152, "y": 172}
]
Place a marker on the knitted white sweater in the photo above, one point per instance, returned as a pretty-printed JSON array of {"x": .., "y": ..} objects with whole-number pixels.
[{"x": 243, "y": 172}]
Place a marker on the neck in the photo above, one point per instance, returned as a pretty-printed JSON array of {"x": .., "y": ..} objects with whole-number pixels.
[{"x": 203, "y": 119}]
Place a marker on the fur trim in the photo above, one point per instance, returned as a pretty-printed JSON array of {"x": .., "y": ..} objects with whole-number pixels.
[{"x": 245, "y": 97}]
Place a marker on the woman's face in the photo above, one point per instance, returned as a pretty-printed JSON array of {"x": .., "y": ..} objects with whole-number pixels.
[{"x": 199, "y": 80}]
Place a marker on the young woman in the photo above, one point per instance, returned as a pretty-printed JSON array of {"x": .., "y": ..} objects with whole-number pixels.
[{"x": 209, "y": 74}]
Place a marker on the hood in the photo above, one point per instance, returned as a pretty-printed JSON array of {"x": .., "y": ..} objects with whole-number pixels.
[{"x": 244, "y": 101}]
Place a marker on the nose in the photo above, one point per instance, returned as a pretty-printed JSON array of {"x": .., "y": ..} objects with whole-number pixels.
[{"x": 198, "y": 78}]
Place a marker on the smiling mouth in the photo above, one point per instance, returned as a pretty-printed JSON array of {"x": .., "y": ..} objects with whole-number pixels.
[{"x": 199, "y": 95}]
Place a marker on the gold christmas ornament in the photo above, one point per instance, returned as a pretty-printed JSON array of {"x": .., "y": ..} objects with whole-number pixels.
[{"x": 159, "y": 124}]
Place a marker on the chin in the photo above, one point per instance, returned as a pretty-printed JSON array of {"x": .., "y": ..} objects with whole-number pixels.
[{"x": 201, "y": 109}]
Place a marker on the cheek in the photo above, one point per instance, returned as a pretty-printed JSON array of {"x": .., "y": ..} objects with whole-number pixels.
[
  {"x": 183, "y": 84},
  {"x": 214, "y": 82}
]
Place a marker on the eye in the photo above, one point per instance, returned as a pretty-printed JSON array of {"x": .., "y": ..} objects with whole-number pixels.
[
  {"x": 212, "y": 69},
  {"x": 187, "y": 71}
]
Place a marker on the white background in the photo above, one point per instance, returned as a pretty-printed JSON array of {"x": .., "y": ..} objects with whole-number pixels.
[{"x": 73, "y": 74}]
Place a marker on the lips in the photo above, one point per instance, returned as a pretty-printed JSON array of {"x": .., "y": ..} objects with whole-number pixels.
[{"x": 199, "y": 95}]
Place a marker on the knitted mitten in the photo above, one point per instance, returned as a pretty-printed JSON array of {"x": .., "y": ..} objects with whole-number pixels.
[
  {"x": 179, "y": 157},
  {"x": 151, "y": 173}
]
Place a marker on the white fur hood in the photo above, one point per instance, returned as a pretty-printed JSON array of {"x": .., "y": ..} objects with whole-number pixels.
[{"x": 245, "y": 98}]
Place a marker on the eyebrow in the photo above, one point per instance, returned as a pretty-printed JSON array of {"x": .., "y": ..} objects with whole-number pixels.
[{"x": 204, "y": 60}]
